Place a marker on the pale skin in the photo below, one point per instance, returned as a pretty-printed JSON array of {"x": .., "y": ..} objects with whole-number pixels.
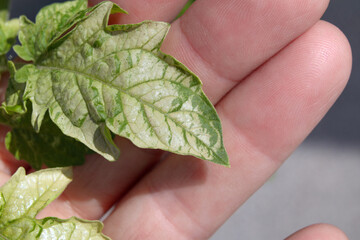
[{"x": 271, "y": 68}]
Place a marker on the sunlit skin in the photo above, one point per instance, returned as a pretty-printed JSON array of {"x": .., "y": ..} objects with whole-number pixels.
[{"x": 271, "y": 68}]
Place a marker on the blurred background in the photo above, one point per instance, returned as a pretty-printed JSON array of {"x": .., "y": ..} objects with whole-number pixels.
[{"x": 320, "y": 182}]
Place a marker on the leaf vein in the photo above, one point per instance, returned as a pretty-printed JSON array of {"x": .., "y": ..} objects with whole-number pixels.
[
  {"x": 129, "y": 94},
  {"x": 80, "y": 47}
]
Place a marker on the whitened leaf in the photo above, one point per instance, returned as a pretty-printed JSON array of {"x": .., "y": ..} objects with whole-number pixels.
[
  {"x": 101, "y": 77},
  {"x": 23, "y": 196}
]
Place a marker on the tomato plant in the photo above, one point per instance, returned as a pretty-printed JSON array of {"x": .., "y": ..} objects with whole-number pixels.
[{"x": 80, "y": 82}]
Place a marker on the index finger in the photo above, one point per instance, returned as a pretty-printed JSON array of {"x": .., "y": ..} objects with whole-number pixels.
[{"x": 140, "y": 10}]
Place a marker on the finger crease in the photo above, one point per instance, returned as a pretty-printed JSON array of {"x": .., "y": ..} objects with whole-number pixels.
[{"x": 207, "y": 64}]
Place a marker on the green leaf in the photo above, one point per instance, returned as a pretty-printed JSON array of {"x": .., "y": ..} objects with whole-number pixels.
[
  {"x": 52, "y": 21},
  {"x": 8, "y": 33},
  {"x": 23, "y": 196},
  {"x": 49, "y": 146},
  {"x": 13, "y": 98},
  {"x": 53, "y": 228},
  {"x": 22, "y": 228},
  {"x": 73, "y": 228},
  {"x": 13, "y": 106},
  {"x": 101, "y": 77}
]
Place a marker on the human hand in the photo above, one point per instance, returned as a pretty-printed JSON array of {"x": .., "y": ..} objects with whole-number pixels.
[{"x": 271, "y": 68}]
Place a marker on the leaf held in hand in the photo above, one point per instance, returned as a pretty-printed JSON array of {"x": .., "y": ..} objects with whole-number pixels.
[
  {"x": 22, "y": 198},
  {"x": 99, "y": 77}
]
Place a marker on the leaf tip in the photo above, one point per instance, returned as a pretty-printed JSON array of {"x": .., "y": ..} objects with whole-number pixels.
[
  {"x": 117, "y": 9},
  {"x": 20, "y": 171},
  {"x": 222, "y": 158},
  {"x": 67, "y": 172}
]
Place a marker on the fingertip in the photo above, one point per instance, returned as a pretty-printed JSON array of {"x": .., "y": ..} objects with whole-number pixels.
[
  {"x": 329, "y": 48},
  {"x": 319, "y": 231},
  {"x": 339, "y": 51}
]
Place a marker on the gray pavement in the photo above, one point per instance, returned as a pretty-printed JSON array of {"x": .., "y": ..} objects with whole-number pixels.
[{"x": 318, "y": 183}]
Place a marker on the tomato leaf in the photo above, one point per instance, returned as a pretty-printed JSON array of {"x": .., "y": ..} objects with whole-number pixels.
[
  {"x": 99, "y": 77},
  {"x": 51, "y": 22},
  {"x": 24, "y": 196},
  {"x": 48, "y": 147}
]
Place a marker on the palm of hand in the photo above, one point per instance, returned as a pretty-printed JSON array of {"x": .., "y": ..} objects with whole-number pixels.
[{"x": 272, "y": 70}]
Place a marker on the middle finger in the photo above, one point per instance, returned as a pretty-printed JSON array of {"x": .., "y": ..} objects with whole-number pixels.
[{"x": 224, "y": 41}]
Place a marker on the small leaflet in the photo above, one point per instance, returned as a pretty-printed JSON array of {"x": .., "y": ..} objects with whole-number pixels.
[{"x": 24, "y": 196}]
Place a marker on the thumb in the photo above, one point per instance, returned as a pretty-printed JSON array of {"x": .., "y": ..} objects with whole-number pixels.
[{"x": 318, "y": 232}]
